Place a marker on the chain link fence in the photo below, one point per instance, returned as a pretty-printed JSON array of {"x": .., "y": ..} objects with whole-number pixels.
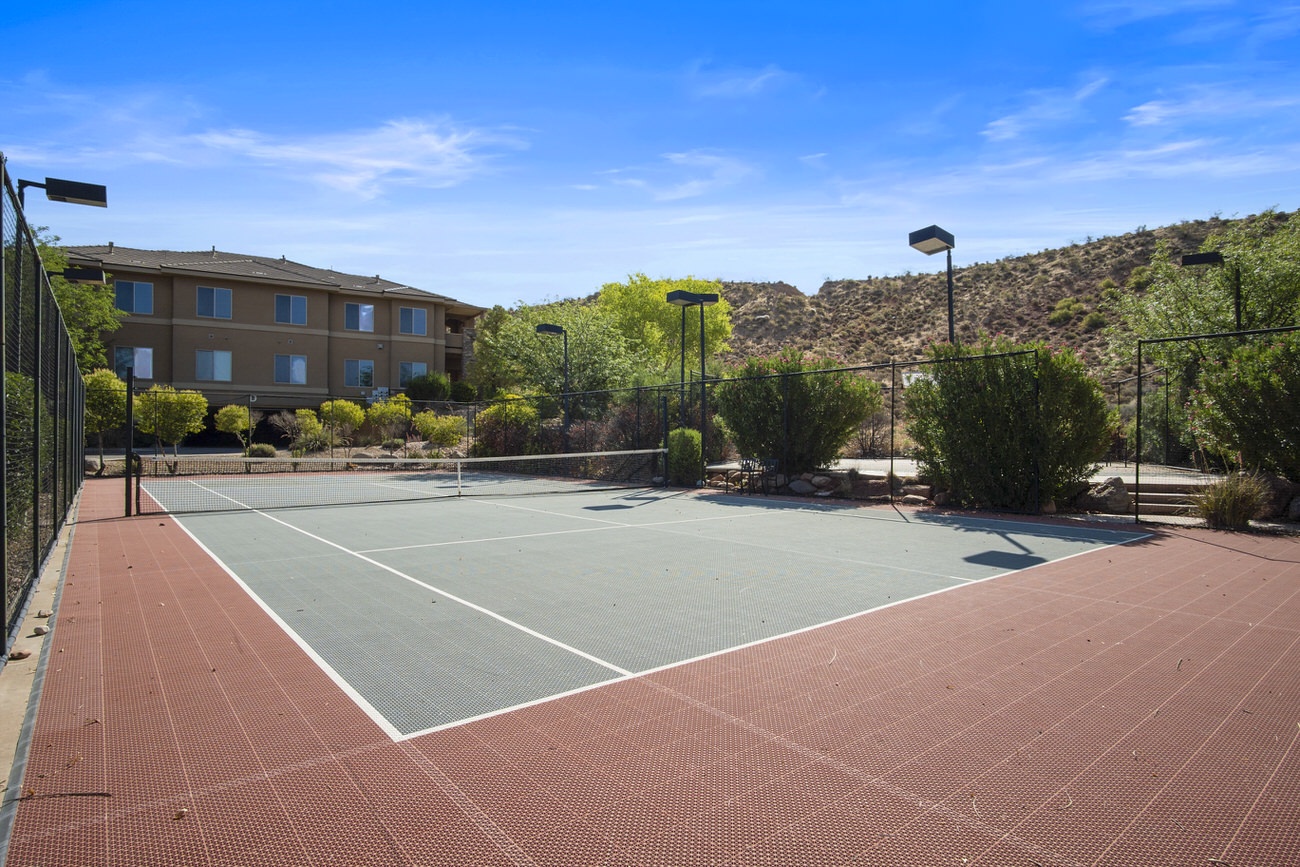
[{"x": 41, "y": 404}]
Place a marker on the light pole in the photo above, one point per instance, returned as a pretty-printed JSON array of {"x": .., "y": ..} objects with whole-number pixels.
[
  {"x": 559, "y": 329},
  {"x": 1214, "y": 257},
  {"x": 683, "y": 299},
  {"x": 929, "y": 241},
  {"x": 56, "y": 190}
]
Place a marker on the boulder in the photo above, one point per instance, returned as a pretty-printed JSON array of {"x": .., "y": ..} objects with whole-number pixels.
[
  {"x": 914, "y": 500},
  {"x": 923, "y": 491},
  {"x": 1293, "y": 511},
  {"x": 1110, "y": 496},
  {"x": 1281, "y": 494},
  {"x": 802, "y": 487}
]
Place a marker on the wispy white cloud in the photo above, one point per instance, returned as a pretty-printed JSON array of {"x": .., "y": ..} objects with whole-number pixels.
[
  {"x": 1212, "y": 104},
  {"x": 1117, "y": 13},
  {"x": 1046, "y": 108},
  {"x": 400, "y": 152},
  {"x": 685, "y": 175},
  {"x": 706, "y": 83}
]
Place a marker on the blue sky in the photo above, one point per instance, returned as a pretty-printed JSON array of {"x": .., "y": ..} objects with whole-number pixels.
[{"x": 498, "y": 152}]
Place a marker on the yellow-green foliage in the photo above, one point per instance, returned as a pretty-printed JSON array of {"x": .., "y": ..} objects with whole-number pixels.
[{"x": 440, "y": 431}]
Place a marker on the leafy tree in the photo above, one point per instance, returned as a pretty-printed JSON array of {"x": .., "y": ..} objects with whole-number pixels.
[
  {"x": 652, "y": 327},
  {"x": 105, "y": 405},
  {"x": 1246, "y": 410},
  {"x": 823, "y": 407},
  {"x": 340, "y": 418},
  {"x": 390, "y": 417},
  {"x": 89, "y": 310},
  {"x": 509, "y": 354},
  {"x": 237, "y": 420},
  {"x": 171, "y": 415}
]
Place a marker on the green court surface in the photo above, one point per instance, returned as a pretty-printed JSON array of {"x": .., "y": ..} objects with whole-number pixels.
[{"x": 432, "y": 613}]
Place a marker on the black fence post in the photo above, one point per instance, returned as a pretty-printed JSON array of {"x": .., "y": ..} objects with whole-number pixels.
[{"x": 129, "y": 468}]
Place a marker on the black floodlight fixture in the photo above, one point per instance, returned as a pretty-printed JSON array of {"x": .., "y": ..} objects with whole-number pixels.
[
  {"x": 558, "y": 331},
  {"x": 1214, "y": 257},
  {"x": 72, "y": 192},
  {"x": 545, "y": 328},
  {"x": 85, "y": 275},
  {"x": 929, "y": 241},
  {"x": 683, "y": 298}
]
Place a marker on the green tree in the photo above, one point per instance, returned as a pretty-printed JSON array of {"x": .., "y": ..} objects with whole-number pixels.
[
  {"x": 653, "y": 328},
  {"x": 1246, "y": 408},
  {"x": 823, "y": 407},
  {"x": 170, "y": 415},
  {"x": 105, "y": 406},
  {"x": 509, "y": 354},
  {"x": 89, "y": 310},
  {"x": 340, "y": 418},
  {"x": 236, "y": 419}
]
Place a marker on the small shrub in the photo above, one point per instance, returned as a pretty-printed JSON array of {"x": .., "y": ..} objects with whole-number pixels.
[
  {"x": 507, "y": 428},
  {"x": 463, "y": 392},
  {"x": 439, "y": 431},
  {"x": 260, "y": 450},
  {"x": 1094, "y": 321},
  {"x": 433, "y": 385},
  {"x": 684, "y": 456},
  {"x": 1231, "y": 503}
]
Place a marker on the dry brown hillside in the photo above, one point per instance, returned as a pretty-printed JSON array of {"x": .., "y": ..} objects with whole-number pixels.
[{"x": 1054, "y": 296}]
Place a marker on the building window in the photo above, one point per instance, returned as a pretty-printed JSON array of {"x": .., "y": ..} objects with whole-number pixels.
[
  {"x": 134, "y": 297},
  {"x": 214, "y": 303},
  {"x": 212, "y": 365},
  {"x": 358, "y": 374},
  {"x": 138, "y": 357},
  {"x": 413, "y": 320},
  {"x": 409, "y": 370},
  {"x": 291, "y": 309},
  {"x": 359, "y": 317},
  {"x": 291, "y": 369}
]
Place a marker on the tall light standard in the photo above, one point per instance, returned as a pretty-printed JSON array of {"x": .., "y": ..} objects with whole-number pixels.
[
  {"x": 683, "y": 299},
  {"x": 56, "y": 191},
  {"x": 559, "y": 329},
  {"x": 1214, "y": 257},
  {"x": 929, "y": 241}
]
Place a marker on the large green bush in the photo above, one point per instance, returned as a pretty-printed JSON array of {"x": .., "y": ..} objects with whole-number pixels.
[
  {"x": 823, "y": 407},
  {"x": 434, "y": 385},
  {"x": 510, "y": 427},
  {"x": 1247, "y": 407},
  {"x": 1008, "y": 426},
  {"x": 684, "y": 456}
]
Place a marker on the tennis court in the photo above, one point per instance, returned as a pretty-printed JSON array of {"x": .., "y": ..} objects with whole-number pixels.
[
  {"x": 432, "y": 614},
  {"x": 650, "y": 676}
]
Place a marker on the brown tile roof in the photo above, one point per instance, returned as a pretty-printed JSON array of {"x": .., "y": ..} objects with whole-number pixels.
[{"x": 214, "y": 262}]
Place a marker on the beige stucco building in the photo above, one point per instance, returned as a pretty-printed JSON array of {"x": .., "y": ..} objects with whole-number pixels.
[{"x": 290, "y": 335}]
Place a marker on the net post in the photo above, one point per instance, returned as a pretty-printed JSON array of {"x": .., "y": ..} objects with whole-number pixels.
[
  {"x": 130, "y": 438},
  {"x": 459, "y": 492}
]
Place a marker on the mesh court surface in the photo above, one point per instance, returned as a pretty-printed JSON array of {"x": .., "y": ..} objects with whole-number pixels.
[{"x": 653, "y": 677}]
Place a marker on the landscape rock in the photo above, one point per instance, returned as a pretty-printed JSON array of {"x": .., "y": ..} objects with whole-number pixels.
[
  {"x": 1293, "y": 511},
  {"x": 1110, "y": 496},
  {"x": 914, "y": 500},
  {"x": 802, "y": 487},
  {"x": 1281, "y": 495},
  {"x": 923, "y": 491}
]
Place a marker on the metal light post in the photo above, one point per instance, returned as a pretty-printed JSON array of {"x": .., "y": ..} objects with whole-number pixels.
[
  {"x": 1214, "y": 257},
  {"x": 559, "y": 329},
  {"x": 683, "y": 299},
  {"x": 929, "y": 241},
  {"x": 56, "y": 190}
]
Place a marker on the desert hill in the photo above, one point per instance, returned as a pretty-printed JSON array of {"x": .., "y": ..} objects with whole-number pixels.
[{"x": 1055, "y": 295}]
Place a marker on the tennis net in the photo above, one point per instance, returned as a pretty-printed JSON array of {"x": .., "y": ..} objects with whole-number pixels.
[{"x": 192, "y": 483}]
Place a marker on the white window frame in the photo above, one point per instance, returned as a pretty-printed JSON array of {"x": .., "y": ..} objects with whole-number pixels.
[
  {"x": 293, "y": 364},
  {"x": 135, "y": 287},
  {"x": 218, "y": 293},
  {"x": 141, "y": 361},
  {"x": 355, "y": 372},
  {"x": 358, "y": 317},
  {"x": 296, "y": 316},
  {"x": 419, "y": 321},
  {"x": 218, "y": 361},
  {"x": 406, "y": 371}
]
